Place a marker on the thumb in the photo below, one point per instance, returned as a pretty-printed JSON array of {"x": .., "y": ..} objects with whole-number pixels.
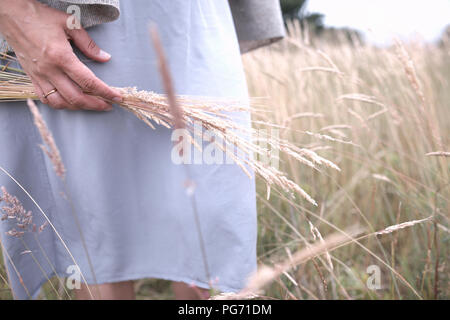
[{"x": 84, "y": 42}]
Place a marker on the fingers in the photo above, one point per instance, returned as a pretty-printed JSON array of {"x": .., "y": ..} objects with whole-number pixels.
[
  {"x": 69, "y": 96},
  {"x": 54, "y": 100},
  {"x": 85, "y": 43},
  {"x": 75, "y": 98},
  {"x": 76, "y": 84},
  {"x": 88, "y": 82},
  {"x": 84, "y": 77}
]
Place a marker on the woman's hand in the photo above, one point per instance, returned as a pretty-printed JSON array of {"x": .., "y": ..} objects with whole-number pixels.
[{"x": 40, "y": 38}]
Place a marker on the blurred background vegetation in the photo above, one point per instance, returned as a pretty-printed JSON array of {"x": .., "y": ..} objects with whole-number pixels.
[{"x": 313, "y": 24}]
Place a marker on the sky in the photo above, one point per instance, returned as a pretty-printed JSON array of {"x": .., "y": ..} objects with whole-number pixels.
[{"x": 382, "y": 20}]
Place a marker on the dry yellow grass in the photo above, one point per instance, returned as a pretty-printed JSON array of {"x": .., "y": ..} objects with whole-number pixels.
[{"x": 383, "y": 116}]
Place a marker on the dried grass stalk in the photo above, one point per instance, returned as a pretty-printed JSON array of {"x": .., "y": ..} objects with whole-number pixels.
[
  {"x": 49, "y": 147},
  {"x": 265, "y": 274},
  {"x": 403, "y": 225},
  {"x": 438, "y": 154}
]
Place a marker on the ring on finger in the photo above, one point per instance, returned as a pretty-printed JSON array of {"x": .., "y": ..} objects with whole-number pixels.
[{"x": 50, "y": 92}]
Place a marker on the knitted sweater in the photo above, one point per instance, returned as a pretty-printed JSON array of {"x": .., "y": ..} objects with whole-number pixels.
[{"x": 257, "y": 22}]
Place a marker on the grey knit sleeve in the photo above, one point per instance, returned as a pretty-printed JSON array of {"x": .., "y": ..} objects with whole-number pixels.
[{"x": 257, "y": 22}]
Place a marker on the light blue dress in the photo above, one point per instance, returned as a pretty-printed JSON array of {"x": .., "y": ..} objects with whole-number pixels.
[{"x": 135, "y": 213}]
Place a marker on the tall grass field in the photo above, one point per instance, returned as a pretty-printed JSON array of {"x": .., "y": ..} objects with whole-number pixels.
[{"x": 383, "y": 116}]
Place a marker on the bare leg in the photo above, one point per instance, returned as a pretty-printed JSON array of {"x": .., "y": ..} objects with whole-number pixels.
[
  {"x": 107, "y": 291},
  {"x": 184, "y": 291}
]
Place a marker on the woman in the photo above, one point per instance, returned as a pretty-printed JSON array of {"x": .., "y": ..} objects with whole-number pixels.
[{"x": 136, "y": 218}]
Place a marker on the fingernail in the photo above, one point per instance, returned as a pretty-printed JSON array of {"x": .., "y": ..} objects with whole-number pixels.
[
  {"x": 104, "y": 55},
  {"x": 117, "y": 99}
]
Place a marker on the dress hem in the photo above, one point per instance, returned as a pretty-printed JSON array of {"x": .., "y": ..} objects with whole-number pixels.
[{"x": 148, "y": 275}]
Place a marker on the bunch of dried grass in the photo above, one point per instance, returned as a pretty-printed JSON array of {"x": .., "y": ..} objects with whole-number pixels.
[{"x": 213, "y": 114}]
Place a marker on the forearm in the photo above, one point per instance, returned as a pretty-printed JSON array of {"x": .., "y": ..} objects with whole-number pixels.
[{"x": 14, "y": 15}]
